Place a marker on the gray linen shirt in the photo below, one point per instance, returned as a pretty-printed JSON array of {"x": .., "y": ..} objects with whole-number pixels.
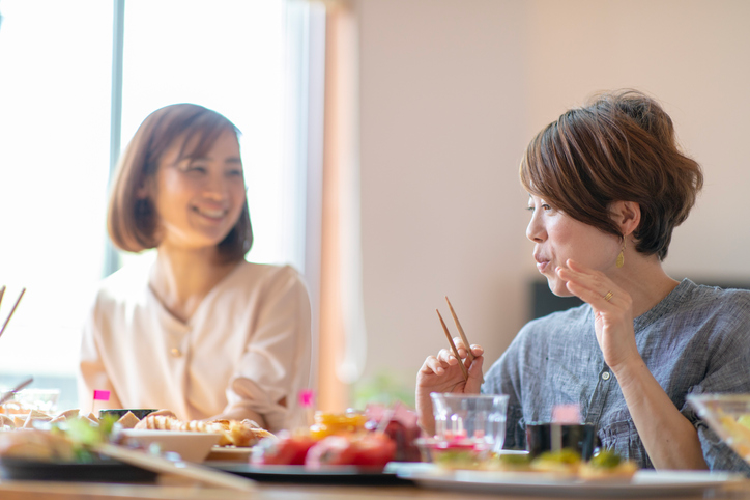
[{"x": 696, "y": 340}]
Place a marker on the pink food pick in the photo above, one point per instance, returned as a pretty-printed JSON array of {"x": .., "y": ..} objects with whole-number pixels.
[
  {"x": 306, "y": 398},
  {"x": 566, "y": 414},
  {"x": 103, "y": 395}
]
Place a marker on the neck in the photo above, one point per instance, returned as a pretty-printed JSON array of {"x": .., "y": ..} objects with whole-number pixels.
[
  {"x": 181, "y": 279},
  {"x": 645, "y": 280}
]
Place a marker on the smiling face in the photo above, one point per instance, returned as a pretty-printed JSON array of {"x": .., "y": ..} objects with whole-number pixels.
[
  {"x": 199, "y": 199},
  {"x": 558, "y": 237}
]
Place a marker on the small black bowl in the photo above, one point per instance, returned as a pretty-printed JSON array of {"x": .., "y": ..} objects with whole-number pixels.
[
  {"x": 541, "y": 437},
  {"x": 139, "y": 413}
]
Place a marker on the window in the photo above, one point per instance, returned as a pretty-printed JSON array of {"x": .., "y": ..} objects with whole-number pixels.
[{"x": 239, "y": 58}]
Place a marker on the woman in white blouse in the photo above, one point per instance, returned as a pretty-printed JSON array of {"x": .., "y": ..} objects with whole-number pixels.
[{"x": 199, "y": 331}]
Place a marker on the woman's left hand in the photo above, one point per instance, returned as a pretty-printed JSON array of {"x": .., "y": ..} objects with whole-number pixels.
[{"x": 613, "y": 309}]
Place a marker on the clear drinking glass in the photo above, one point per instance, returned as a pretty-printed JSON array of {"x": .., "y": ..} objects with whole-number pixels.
[{"x": 470, "y": 419}]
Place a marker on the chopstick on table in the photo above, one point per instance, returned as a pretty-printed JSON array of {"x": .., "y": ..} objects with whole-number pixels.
[
  {"x": 2, "y": 292},
  {"x": 453, "y": 346},
  {"x": 12, "y": 310},
  {"x": 5, "y": 397},
  {"x": 183, "y": 469},
  {"x": 467, "y": 346}
]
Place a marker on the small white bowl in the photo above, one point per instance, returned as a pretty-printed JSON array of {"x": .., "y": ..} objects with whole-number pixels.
[{"x": 192, "y": 446}]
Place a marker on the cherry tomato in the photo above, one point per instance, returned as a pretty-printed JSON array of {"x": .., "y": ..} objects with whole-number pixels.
[
  {"x": 333, "y": 450},
  {"x": 287, "y": 450}
]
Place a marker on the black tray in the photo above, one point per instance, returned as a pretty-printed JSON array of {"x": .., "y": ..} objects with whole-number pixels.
[
  {"x": 300, "y": 474},
  {"x": 109, "y": 471}
]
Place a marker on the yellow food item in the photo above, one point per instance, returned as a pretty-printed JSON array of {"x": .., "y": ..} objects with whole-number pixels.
[
  {"x": 607, "y": 465},
  {"x": 564, "y": 461},
  {"x": 333, "y": 424}
]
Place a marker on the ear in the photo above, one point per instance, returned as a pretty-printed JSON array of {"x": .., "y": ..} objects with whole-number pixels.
[{"x": 626, "y": 214}]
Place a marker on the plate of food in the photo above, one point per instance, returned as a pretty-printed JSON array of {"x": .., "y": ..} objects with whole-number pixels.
[
  {"x": 229, "y": 454},
  {"x": 334, "y": 474},
  {"x": 55, "y": 456},
  {"x": 96, "y": 470},
  {"x": 643, "y": 483}
]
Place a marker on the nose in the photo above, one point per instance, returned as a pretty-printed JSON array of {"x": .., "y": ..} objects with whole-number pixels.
[
  {"x": 216, "y": 187},
  {"x": 535, "y": 231}
]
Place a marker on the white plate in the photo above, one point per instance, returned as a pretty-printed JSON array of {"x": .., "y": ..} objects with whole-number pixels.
[
  {"x": 230, "y": 453},
  {"x": 644, "y": 483},
  {"x": 192, "y": 446}
]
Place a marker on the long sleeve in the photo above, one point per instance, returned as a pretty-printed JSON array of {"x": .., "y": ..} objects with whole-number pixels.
[
  {"x": 276, "y": 362},
  {"x": 92, "y": 371}
]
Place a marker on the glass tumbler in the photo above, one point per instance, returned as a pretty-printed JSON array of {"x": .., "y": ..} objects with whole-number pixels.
[{"x": 477, "y": 420}]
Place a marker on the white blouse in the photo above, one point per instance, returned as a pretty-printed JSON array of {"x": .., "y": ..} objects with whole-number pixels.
[{"x": 248, "y": 345}]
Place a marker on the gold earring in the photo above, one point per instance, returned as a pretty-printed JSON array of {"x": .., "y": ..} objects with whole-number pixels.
[{"x": 620, "y": 262}]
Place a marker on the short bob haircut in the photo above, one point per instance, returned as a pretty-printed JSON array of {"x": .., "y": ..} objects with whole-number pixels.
[
  {"x": 620, "y": 147},
  {"x": 132, "y": 219}
]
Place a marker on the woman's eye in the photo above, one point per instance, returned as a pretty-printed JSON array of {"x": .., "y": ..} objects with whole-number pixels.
[
  {"x": 235, "y": 172},
  {"x": 192, "y": 168},
  {"x": 546, "y": 207},
  {"x": 530, "y": 208}
]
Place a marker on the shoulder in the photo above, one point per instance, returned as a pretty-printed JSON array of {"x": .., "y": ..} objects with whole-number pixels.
[
  {"x": 714, "y": 297},
  {"x": 129, "y": 284},
  {"x": 269, "y": 283},
  {"x": 701, "y": 303},
  {"x": 551, "y": 324},
  {"x": 269, "y": 275}
]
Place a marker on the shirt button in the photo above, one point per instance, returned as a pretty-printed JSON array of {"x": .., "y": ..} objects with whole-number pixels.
[
  {"x": 605, "y": 376},
  {"x": 175, "y": 353}
]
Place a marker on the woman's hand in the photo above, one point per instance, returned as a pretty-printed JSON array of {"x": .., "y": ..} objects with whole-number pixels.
[
  {"x": 613, "y": 309},
  {"x": 441, "y": 373}
]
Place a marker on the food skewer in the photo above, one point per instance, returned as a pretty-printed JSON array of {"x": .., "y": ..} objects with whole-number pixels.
[
  {"x": 183, "y": 469},
  {"x": 467, "y": 346},
  {"x": 453, "y": 346},
  {"x": 12, "y": 310}
]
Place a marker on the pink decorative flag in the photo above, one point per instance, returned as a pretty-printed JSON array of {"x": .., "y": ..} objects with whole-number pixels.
[
  {"x": 566, "y": 414},
  {"x": 306, "y": 398},
  {"x": 103, "y": 395}
]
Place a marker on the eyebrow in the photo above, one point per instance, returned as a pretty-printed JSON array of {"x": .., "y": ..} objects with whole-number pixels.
[{"x": 232, "y": 160}]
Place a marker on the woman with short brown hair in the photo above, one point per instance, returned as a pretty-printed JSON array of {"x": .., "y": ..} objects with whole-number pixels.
[{"x": 607, "y": 184}]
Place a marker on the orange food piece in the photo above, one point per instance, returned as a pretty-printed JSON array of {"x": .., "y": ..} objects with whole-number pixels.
[{"x": 336, "y": 424}]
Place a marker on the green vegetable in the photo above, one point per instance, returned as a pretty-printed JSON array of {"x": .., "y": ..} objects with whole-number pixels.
[
  {"x": 564, "y": 456},
  {"x": 605, "y": 459},
  {"x": 744, "y": 420},
  {"x": 83, "y": 433},
  {"x": 514, "y": 458}
]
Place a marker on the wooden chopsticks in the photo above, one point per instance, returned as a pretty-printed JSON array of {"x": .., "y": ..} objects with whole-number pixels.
[
  {"x": 460, "y": 330},
  {"x": 453, "y": 346},
  {"x": 467, "y": 346},
  {"x": 2, "y": 292}
]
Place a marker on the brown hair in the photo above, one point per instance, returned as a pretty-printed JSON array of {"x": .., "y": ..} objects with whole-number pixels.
[
  {"x": 132, "y": 219},
  {"x": 620, "y": 147}
]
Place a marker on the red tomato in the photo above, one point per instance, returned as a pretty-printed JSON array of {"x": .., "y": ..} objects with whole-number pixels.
[
  {"x": 332, "y": 450},
  {"x": 374, "y": 450},
  {"x": 288, "y": 450}
]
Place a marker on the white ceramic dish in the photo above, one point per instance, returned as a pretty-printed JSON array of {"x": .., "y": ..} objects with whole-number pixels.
[
  {"x": 643, "y": 484},
  {"x": 191, "y": 446},
  {"x": 230, "y": 454}
]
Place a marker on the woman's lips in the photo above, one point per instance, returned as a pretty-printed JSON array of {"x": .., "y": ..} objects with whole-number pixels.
[{"x": 542, "y": 265}]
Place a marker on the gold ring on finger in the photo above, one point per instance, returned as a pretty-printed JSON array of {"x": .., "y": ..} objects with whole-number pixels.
[{"x": 609, "y": 296}]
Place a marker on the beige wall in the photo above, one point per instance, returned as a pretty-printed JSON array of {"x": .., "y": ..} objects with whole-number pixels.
[{"x": 450, "y": 93}]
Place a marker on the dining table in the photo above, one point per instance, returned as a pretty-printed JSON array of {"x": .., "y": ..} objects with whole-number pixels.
[{"x": 172, "y": 488}]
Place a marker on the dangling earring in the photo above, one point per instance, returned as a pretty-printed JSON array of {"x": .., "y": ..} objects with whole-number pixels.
[{"x": 621, "y": 256}]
